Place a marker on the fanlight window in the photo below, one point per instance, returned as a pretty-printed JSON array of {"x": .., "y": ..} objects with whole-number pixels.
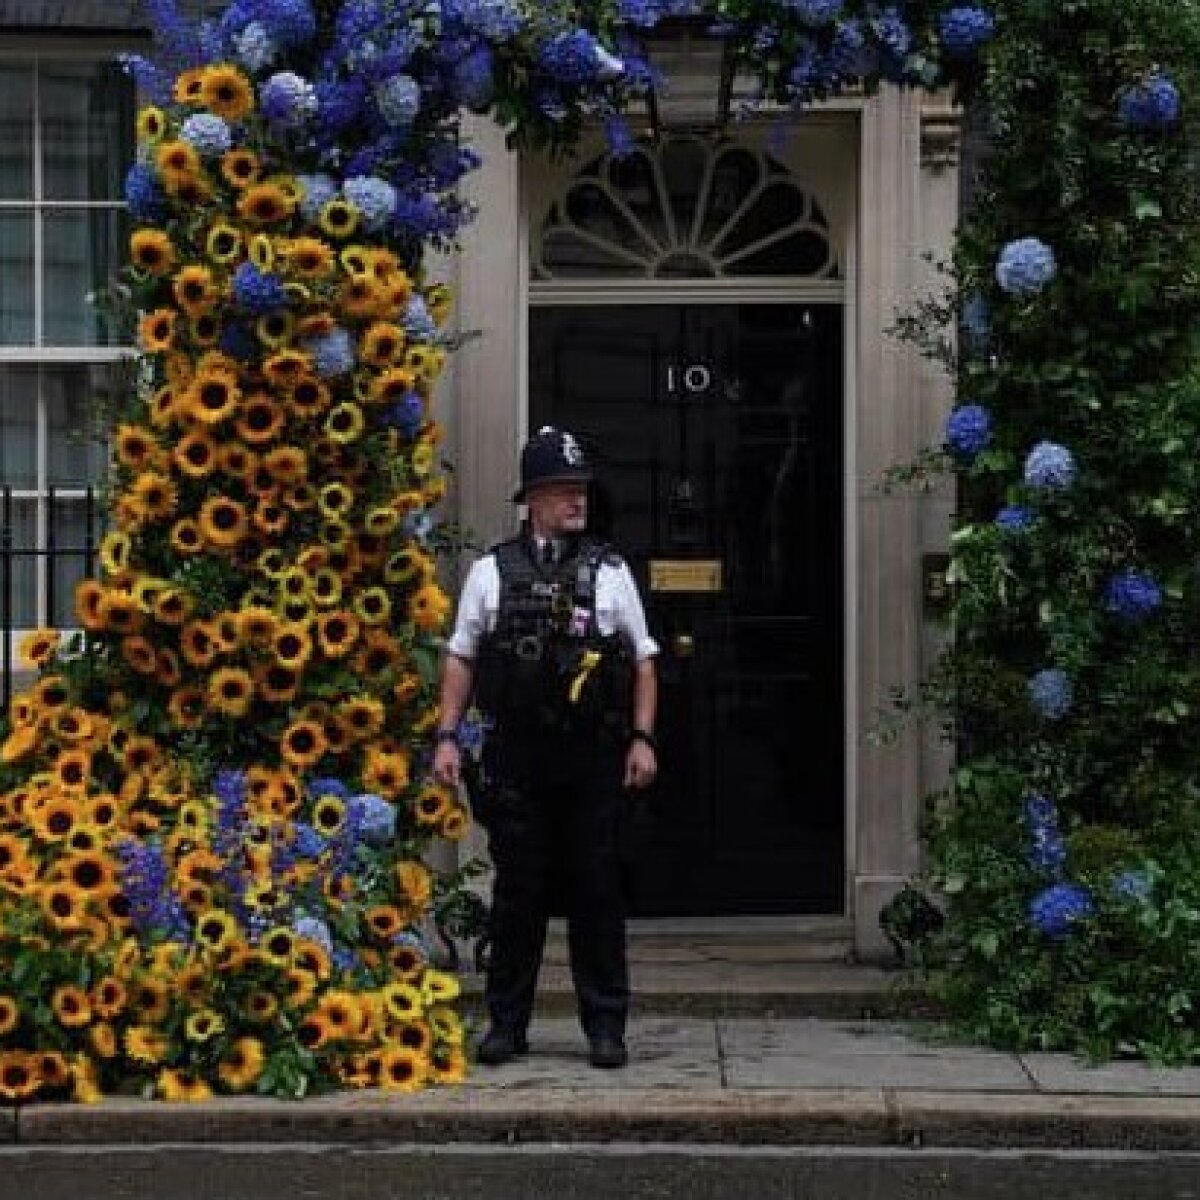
[{"x": 684, "y": 209}]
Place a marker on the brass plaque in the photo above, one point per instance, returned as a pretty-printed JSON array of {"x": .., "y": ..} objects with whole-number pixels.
[{"x": 685, "y": 575}]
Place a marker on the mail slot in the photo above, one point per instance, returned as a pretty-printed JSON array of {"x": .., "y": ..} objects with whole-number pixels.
[{"x": 685, "y": 575}]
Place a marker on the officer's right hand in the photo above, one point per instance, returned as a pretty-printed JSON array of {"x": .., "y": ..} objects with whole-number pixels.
[{"x": 447, "y": 764}]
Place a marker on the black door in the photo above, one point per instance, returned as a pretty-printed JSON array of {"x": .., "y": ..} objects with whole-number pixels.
[{"x": 717, "y": 430}]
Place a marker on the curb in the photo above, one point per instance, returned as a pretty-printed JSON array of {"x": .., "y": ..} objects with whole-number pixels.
[{"x": 864, "y": 1117}]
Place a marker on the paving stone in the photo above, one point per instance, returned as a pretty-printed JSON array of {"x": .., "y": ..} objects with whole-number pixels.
[{"x": 1062, "y": 1073}]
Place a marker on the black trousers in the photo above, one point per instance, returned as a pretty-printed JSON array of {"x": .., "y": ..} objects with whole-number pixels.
[{"x": 553, "y": 812}]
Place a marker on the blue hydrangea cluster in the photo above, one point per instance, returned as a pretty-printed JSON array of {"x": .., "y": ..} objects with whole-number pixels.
[
  {"x": 398, "y": 100},
  {"x": 572, "y": 58},
  {"x": 253, "y": 47},
  {"x": 1051, "y": 693},
  {"x": 142, "y": 193},
  {"x": 1151, "y": 105},
  {"x": 1014, "y": 518},
  {"x": 407, "y": 414},
  {"x": 145, "y": 882},
  {"x": 1133, "y": 595},
  {"x": 318, "y": 190},
  {"x": 258, "y": 292},
  {"x": 284, "y": 23},
  {"x": 288, "y": 100},
  {"x": 374, "y": 198},
  {"x": 964, "y": 29},
  {"x": 333, "y": 353},
  {"x": 1025, "y": 267},
  {"x": 209, "y": 134},
  {"x": 314, "y": 930},
  {"x": 1056, "y": 909},
  {"x": 496, "y": 20},
  {"x": 969, "y": 430},
  {"x": 1050, "y": 467},
  {"x": 1048, "y": 848},
  {"x": 377, "y": 820}
]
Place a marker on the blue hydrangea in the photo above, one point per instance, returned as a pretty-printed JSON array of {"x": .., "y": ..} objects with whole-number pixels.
[
  {"x": 976, "y": 320},
  {"x": 378, "y": 819},
  {"x": 497, "y": 20},
  {"x": 208, "y": 133},
  {"x": 816, "y": 12},
  {"x": 288, "y": 100},
  {"x": 893, "y": 34},
  {"x": 307, "y": 842},
  {"x": 1051, "y": 693},
  {"x": 239, "y": 341},
  {"x": 314, "y": 930},
  {"x": 317, "y": 190},
  {"x": 1048, "y": 848},
  {"x": 333, "y": 353},
  {"x": 328, "y": 785},
  {"x": 969, "y": 430},
  {"x": 287, "y": 22},
  {"x": 406, "y": 413},
  {"x": 143, "y": 194},
  {"x": 475, "y": 77},
  {"x": 1133, "y": 886},
  {"x": 1025, "y": 267},
  {"x": 1133, "y": 595},
  {"x": 258, "y": 292},
  {"x": 398, "y": 100},
  {"x": 253, "y": 47},
  {"x": 1014, "y": 518},
  {"x": 1050, "y": 467},
  {"x": 572, "y": 58},
  {"x": 374, "y": 198},
  {"x": 619, "y": 136},
  {"x": 339, "y": 105},
  {"x": 418, "y": 321},
  {"x": 964, "y": 29},
  {"x": 1152, "y": 104},
  {"x": 851, "y": 54},
  {"x": 1040, "y": 812},
  {"x": 1057, "y": 908}
]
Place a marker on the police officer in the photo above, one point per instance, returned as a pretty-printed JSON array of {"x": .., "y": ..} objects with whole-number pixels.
[{"x": 550, "y": 641}]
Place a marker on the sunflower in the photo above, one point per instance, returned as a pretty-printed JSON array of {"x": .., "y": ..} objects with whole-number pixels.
[
  {"x": 292, "y": 646},
  {"x": 335, "y": 500},
  {"x": 363, "y": 716},
  {"x": 286, "y": 464},
  {"x": 237, "y": 460},
  {"x": 261, "y": 1007},
  {"x": 71, "y": 1006},
  {"x": 386, "y": 773},
  {"x": 382, "y": 343},
  {"x": 203, "y": 1025},
  {"x": 19, "y": 1079},
  {"x": 226, "y": 91},
  {"x": 344, "y": 423},
  {"x": 284, "y": 367},
  {"x": 455, "y": 824},
  {"x": 314, "y": 1030},
  {"x": 259, "y": 420},
  {"x": 189, "y": 84},
  {"x": 230, "y": 691},
  {"x": 156, "y": 330},
  {"x": 223, "y": 243},
  {"x": 151, "y": 250},
  {"x": 197, "y": 643},
  {"x": 429, "y": 607},
  {"x": 257, "y": 625},
  {"x": 414, "y": 883},
  {"x": 146, "y": 1045},
  {"x": 151, "y": 124},
  {"x": 265, "y": 204},
  {"x": 361, "y": 297},
  {"x": 373, "y": 606},
  {"x": 329, "y": 815},
  {"x": 37, "y": 648},
  {"x": 156, "y": 493},
  {"x": 177, "y": 158},
  {"x": 384, "y": 921},
  {"x": 195, "y": 290},
  {"x": 269, "y": 518},
  {"x": 276, "y": 329},
  {"x": 339, "y": 218},
  {"x": 402, "y": 1001},
  {"x": 432, "y": 804},
  {"x": 141, "y": 753},
  {"x": 63, "y": 905},
  {"x": 275, "y": 682},
  {"x": 309, "y": 398},
  {"x": 242, "y": 1065},
  {"x": 405, "y": 962},
  {"x": 190, "y": 191},
  {"x": 223, "y": 522},
  {"x": 310, "y": 257},
  {"x": 240, "y": 167},
  {"x": 303, "y": 743},
  {"x": 447, "y": 1064},
  {"x": 379, "y": 653},
  {"x": 212, "y": 398},
  {"x": 71, "y": 771},
  {"x": 150, "y": 999},
  {"x": 109, "y": 997}
]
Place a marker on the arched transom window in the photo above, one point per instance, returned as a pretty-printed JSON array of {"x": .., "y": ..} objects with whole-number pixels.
[{"x": 685, "y": 208}]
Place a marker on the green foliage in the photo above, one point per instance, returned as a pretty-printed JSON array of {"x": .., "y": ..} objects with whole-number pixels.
[{"x": 1104, "y": 361}]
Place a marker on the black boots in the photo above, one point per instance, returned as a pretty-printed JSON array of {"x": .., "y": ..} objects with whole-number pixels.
[
  {"x": 607, "y": 1050},
  {"x": 500, "y": 1045}
]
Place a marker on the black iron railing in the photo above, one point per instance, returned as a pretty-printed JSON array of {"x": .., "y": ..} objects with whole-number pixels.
[{"x": 46, "y": 559}]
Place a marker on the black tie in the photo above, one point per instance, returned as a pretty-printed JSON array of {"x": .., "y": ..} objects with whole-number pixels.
[{"x": 548, "y": 554}]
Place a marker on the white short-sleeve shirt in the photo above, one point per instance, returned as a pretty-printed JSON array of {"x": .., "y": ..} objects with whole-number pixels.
[{"x": 618, "y": 608}]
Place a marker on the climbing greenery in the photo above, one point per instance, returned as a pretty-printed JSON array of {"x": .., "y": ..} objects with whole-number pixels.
[{"x": 1066, "y": 858}]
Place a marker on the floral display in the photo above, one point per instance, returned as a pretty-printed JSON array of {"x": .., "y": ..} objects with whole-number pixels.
[
  {"x": 968, "y": 429},
  {"x": 1025, "y": 267},
  {"x": 214, "y": 808}
]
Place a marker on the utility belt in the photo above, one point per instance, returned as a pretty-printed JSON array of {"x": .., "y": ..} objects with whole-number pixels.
[{"x": 541, "y": 682}]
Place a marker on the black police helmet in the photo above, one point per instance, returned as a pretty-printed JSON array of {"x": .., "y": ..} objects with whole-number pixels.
[{"x": 551, "y": 456}]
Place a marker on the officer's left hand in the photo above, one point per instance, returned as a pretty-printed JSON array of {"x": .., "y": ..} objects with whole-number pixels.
[{"x": 641, "y": 765}]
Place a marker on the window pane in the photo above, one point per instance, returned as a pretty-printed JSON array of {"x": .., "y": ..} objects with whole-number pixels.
[
  {"x": 83, "y": 250},
  {"x": 18, "y": 427},
  {"x": 16, "y": 278},
  {"x": 16, "y": 132},
  {"x": 75, "y": 457},
  {"x": 71, "y": 540},
  {"x": 86, "y": 113},
  {"x": 18, "y": 569}
]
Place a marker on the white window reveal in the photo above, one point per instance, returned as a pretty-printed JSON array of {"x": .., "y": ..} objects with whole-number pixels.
[{"x": 685, "y": 208}]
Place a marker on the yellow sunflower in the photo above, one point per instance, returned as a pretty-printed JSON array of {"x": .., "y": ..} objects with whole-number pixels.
[
  {"x": 242, "y": 1064},
  {"x": 230, "y": 691},
  {"x": 37, "y": 648},
  {"x": 344, "y": 423},
  {"x": 156, "y": 330},
  {"x": 310, "y": 257},
  {"x": 177, "y": 158},
  {"x": 303, "y": 744},
  {"x": 195, "y": 290},
  {"x": 240, "y": 167},
  {"x": 151, "y": 123},
  {"x": 225, "y": 90},
  {"x": 429, "y": 607},
  {"x": 265, "y": 204},
  {"x": 212, "y": 398},
  {"x": 339, "y": 218},
  {"x": 188, "y": 86},
  {"x": 223, "y": 522},
  {"x": 223, "y": 243},
  {"x": 71, "y": 1006},
  {"x": 152, "y": 251}
]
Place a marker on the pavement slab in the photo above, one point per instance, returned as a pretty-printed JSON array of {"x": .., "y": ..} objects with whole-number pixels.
[{"x": 1062, "y": 1073}]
